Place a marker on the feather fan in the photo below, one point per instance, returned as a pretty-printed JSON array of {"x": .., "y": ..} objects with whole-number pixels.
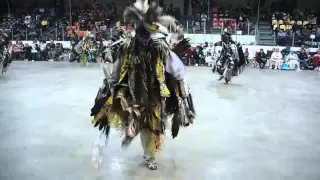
[
  {"x": 142, "y": 5},
  {"x": 168, "y": 21}
]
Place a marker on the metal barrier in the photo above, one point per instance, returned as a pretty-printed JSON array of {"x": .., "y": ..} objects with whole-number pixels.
[
  {"x": 65, "y": 34},
  {"x": 197, "y": 27},
  {"x": 295, "y": 41}
]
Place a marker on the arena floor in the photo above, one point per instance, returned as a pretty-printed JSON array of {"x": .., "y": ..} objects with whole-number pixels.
[{"x": 263, "y": 126}]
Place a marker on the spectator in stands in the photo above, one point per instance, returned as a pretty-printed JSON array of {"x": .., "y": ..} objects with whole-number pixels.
[
  {"x": 261, "y": 58},
  {"x": 248, "y": 9},
  {"x": 293, "y": 61},
  {"x": 204, "y": 19},
  {"x": 241, "y": 21},
  {"x": 281, "y": 38},
  {"x": 276, "y": 59},
  {"x": 27, "y": 20},
  {"x": 51, "y": 53},
  {"x": 44, "y": 23}
]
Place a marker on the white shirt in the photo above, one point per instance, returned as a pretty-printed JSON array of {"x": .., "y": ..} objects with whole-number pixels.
[
  {"x": 208, "y": 49},
  {"x": 43, "y": 46},
  {"x": 276, "y": 56},
  {"x": 175, "y": 66},
  {"x": 27, "y": 20},
  {"x": 292, "y": 57}
]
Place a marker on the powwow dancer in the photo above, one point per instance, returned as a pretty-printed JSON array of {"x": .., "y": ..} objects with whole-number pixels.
[
  {"x": 85, "y": 47},
  {"x": 231, "y": 61},
  {"x": 5, "y": 57},
  {"x": 147, "y": 85}
]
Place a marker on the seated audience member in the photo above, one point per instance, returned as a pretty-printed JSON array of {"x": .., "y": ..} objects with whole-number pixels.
[
  {"x": 20, "y": 46},
  {"x": 43, "y": 50},
  {"x": 27, "y": 50},
  {"x": 59, "y": 50},
  {"x": 51, "y": 52},
  {"x": 316, "y": 60},
  {"x": 303, "y": 56},
  {"x": 293, "y": 61},
  {"x": 276, "y": 59},
  {"x": 35, "y": 50},
  {"x": 16, "y": 51},
  {"x": 261, "y": 58}
]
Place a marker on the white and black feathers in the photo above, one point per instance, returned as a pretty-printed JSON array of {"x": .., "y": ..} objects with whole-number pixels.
[{"x": 144, "y": 12}]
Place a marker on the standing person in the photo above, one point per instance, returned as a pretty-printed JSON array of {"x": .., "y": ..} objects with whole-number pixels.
[
  {"x": 137, "y": 106},
  {"x": 246, "y": 56},
  {"x": 43, "y": 50}
]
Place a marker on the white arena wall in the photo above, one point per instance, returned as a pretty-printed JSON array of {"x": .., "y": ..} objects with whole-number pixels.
[{"x": 197, "y": 39}]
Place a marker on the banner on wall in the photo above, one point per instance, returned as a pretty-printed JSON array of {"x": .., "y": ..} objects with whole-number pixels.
[{"x": 313, "y": 44}]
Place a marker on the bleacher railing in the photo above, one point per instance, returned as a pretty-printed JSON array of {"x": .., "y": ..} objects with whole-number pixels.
[
  {"x": 102, "y": 32},
  {"x": 59, "y": 34},
  {"x": 295, "y": 39},
  {"x": 217, "y": 26}
]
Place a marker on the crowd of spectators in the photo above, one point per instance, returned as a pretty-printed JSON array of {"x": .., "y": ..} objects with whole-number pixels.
[
  {"x": 37, "y": 50},
  {"x": 52, "y": 22},
  {"x": 226, "y": 17},
  {"x": 302, "y": 27}
]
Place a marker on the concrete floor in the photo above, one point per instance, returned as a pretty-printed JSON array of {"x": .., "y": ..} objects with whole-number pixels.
[{"x": 264, "y": 126}]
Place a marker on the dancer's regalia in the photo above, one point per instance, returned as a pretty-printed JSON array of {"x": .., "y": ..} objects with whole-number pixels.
[
  {"x": 5, "y": 57},
  {"x": 84, "y": 48},
  {"x": 147, "y": 84},
  {"x": 231, "y": 61}
]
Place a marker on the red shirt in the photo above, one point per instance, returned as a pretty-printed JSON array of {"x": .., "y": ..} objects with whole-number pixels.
[{"x": 188, "y": 52}]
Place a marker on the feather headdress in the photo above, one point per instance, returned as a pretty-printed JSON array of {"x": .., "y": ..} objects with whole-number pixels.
[
  {"x": 4, "y": 37},
  {"x": 149, "y": 14}
]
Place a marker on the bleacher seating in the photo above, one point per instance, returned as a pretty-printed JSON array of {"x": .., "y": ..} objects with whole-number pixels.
[{"x": 298, "y": 28}]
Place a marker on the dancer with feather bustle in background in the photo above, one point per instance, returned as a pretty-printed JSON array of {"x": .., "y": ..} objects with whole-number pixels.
[
  {"x": 85, "y": 46},
  {"x": 231, "y": 61},
  {"x": 147, "y": 85}
]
